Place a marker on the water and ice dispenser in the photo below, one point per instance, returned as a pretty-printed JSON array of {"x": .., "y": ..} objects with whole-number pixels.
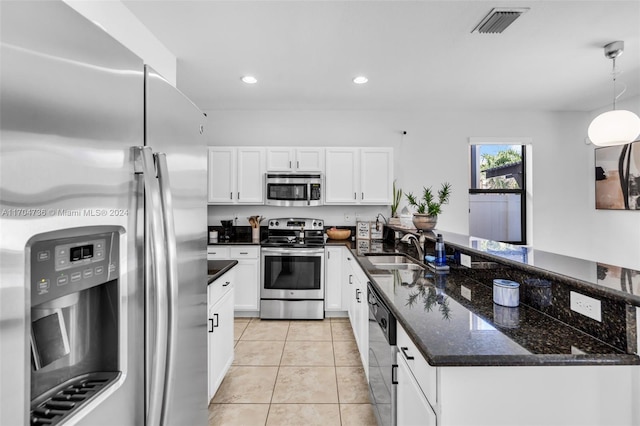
[{"x": 74, "y": 278}]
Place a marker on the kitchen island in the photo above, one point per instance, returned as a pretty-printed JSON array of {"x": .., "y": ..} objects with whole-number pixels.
[{"x": 464, "y": 360}]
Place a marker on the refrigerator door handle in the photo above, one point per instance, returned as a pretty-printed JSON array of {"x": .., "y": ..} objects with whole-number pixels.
[
  {"x": 172, "y": 273},
  {"x": 144, "y": 163}
]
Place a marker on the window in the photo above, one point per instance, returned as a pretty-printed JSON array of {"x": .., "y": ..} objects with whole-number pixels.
[{"x": 497, "y": 193}]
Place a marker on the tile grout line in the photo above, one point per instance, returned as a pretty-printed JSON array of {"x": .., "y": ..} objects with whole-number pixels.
[
  {"x": 273, "y": 391},
  {"x": 335, "y": 369}
]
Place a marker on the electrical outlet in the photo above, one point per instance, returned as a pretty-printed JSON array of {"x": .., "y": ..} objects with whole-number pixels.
[
  {"x": 585, "y": 305},
  {"x": 348, "y": 218},
  {"x": 465, "y": 292},
  {"x": 576, "y": 351},
  {"x": 465, "y": 260}
]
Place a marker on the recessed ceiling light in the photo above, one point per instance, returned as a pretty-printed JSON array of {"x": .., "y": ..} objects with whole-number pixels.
[
  {"x": 361, "y": 79},
  {"x": 249, "y": 79}
]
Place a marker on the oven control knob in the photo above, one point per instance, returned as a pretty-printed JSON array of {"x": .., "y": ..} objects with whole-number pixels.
[
  {"x": 277, "y": 223},
  {"x": 319, "y": 223}
]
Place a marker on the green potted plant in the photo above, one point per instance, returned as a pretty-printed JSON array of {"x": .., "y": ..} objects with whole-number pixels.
[
  {"x": 429, "y": 207},
  {"x": 397, "y": 197}
]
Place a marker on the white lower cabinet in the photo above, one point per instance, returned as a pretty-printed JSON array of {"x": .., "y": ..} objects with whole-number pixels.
[
  {"x": 247, "y": 275},
  {"x": 562, "y": 395},
  {"x": 355, "y": 286},
  {"x": 333, "y": 279},
  {"x": 413, "y": 408},
  {"x": 220, "y": 321}
]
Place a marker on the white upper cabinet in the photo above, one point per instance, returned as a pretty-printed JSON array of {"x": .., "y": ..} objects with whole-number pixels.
[
  {"x": 287, "y": 159},
  {"x": 376, "y": 175},
  {"x": 251, "y": 168},
  {"x": 236, "y": 175},
  {"x": 359, "y": 176},
  {"x": 222, "y": 174},
  {"x": 342, "y": 174}
]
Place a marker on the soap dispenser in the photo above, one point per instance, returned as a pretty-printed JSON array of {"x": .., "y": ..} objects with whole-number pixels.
[{"x": 441, "y": 256}]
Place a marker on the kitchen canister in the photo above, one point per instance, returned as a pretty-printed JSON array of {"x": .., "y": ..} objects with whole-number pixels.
[
  {"x": 213, "y": 236},
  {"x": 506, "y": 292},
  {"x": 537, "y": 292}
]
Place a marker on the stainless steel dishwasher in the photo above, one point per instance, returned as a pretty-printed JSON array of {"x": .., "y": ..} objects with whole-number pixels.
[{"x": 382, "y": 359}]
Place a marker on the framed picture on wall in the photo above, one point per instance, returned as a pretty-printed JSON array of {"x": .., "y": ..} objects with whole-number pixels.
[{"x": 618, "y": 177}]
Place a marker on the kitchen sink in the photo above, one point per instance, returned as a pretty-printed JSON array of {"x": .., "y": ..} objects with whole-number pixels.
[
  {"x": 377, "y": 259},
  {"x": 392, "y": 262},
  {"x": 410, "y": 266}
]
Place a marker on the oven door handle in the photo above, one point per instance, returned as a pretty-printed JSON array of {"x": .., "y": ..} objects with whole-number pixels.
[{"x": 292, "y": 252}]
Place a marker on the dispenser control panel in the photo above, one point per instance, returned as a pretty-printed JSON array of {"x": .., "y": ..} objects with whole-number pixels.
[
  {"x": 80, "y": 253},
  {"x": 69, "y": 264}
]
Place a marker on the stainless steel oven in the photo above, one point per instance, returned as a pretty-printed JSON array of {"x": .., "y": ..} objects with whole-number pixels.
[
  {"x": 293, "y": 189},
  {"x": 292, "y": 279}
]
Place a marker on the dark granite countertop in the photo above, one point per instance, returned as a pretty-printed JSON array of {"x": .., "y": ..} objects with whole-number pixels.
[
  {"x": 217, "y": 268},
  {"x": 596, "y": 277},
  {"x": 237, "y": 242},
  {"x": 453, "y": 321}
]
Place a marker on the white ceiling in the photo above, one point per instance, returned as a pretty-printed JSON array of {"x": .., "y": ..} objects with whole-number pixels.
[{"x": 417, "y": 54}]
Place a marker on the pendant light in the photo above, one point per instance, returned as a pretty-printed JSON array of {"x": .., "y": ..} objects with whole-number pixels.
[{"x": 615, "y": 127}]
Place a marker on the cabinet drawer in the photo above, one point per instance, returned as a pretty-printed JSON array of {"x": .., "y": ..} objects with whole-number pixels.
[
  {"x": 217, "y": 252},
  {"x": 245, "y": 252},
  {"x": 217, "y": 289},
  {"x": 424, "y": 373}
]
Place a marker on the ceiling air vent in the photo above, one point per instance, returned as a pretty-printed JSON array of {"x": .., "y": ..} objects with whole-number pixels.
[{"x": 498, "y": 20}]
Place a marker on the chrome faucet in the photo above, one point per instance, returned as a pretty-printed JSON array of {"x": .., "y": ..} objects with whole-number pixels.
[
  {"x": 378, "y": 221},
  {"x": 418, "y": 242}
]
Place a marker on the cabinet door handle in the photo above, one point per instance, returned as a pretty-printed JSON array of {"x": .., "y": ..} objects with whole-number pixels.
[
  {"x": 211, "y": 326},
  {"x": 297, "y": 164},
  {"x": 215, "y": 321},
  {"x": 358, "y": 295},
  {"x": 226, "y": 284},
  {"x": 350, "y": 279},
  {"x": 363, "y": 195},
  {"x": 404, "y": 352},
  {"x": 355, "y": 196},
  {"x": 244, "y": 252},
  {"x": 289, "y": 164},
  {"x": 394, "y": 374},
  {"x": 238, "y": 195},
  {"x": 231, "y": 195}
]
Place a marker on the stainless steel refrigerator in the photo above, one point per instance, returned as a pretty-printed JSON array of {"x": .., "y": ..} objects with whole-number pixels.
[{"x": 102, "y": 230}]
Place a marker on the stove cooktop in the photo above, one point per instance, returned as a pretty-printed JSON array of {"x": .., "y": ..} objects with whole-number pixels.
[{"x": 294, "y": 232}]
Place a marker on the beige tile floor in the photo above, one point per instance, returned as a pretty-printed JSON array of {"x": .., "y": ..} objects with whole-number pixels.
[{"x": 293, "y": 373}]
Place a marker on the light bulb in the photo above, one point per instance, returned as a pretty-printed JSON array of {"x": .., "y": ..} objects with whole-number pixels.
[{"x": 615, "y": 127}]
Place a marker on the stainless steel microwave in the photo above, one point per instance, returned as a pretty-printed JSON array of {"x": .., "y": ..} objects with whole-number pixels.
[{"x": 293, "y": 189}]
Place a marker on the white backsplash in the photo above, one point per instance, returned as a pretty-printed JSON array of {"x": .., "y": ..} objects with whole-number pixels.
[{"x": 332, "y": 215}]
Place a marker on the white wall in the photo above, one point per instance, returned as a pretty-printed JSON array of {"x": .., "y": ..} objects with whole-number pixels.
[
  {"x": 116, "y": 19},
  {"x": 436, "y": 149}
]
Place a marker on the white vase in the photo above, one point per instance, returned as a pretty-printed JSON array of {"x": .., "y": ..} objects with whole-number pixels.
[{"x": 424, "y": 221}]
